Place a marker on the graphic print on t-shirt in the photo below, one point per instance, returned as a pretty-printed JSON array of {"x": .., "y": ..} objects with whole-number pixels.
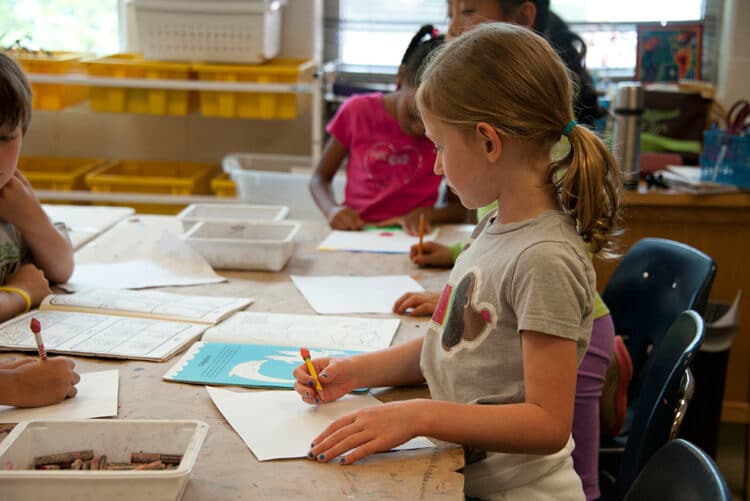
[
  {"x": 461, "y": 315},
  {"x": 391, "y": 167}
]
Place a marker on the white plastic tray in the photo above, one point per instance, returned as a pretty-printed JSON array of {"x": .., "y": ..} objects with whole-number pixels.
[
  {"x": 253, "y": 245},
  {"x": 233, "y": 213},
  {"x": 117, "y": 439}
]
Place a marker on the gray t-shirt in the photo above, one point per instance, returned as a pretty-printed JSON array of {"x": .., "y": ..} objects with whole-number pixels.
[{"x": 533, "y": 275}]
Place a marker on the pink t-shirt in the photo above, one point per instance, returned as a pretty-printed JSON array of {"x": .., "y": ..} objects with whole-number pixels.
[{"x": 388, "y": 173}]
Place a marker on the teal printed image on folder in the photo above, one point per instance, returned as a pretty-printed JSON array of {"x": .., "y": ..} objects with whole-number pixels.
[{"x": 252, "y": 365}]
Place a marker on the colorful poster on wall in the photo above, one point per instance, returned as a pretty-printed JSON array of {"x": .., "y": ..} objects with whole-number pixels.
[{"x": 668, "y": 53}]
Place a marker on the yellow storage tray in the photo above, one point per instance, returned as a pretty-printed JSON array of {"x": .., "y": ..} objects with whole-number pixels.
[
  {"x": 63, "y": 174},
  {"x": 223, "y": 186},
  {"x": 143, "y": 176},
  {"x": 147, "y": 101},
  {"x": 259, "y": 105},
  {"x": 52, "y": 96}
]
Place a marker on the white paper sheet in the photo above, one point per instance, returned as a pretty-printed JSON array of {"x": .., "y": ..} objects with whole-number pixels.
[
  {"x": 384, "y": 241},
  {"x": 97, "y": 397},
  {"x": 347, "y": 294},
  {"x": 311, "y": 331},
  {"x": 278, "y": 424},
  {"x": 86, "y": 222},
  {"x": 139, "y": 252}
]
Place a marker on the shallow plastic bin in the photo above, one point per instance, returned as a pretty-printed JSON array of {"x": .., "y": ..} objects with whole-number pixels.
[
  {"x": 244, "y": 31},
  {"x": 52, "y": 96},
  {"x": 257, "y": 105},
  {"x": 147, "y": 101},
  {"x": 143, "y": 176},
  {"x": 223, "y": 186},
  {"x": 267, "y": 162},
  {"x": 115, "y": 438},
  {"x": 63, "y": 174},
  {"x": 230, "y": 213},
  {"x": 255, "y": 245}
]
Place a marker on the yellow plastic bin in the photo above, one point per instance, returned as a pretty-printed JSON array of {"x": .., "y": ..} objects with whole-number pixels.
[
  {"x": 130, "y": 100},
  {"x": 52, "y": 96},
  {"x": 143, "y": 176},
  {"x": 63, "y": 174},
  {"x": 223, "y": 186},
  {"x": 259, "y": 105}
]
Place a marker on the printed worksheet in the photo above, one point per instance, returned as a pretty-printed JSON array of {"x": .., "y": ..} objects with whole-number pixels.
[
  {"x": 312, "y": 331},
  {"x": 346, "y": 294},
  {"x": 278, "y": 424},
  {"x": 100, "y": 335},
  {"x": 97, "y": 397},
  {"x": 85, "y": 222}
]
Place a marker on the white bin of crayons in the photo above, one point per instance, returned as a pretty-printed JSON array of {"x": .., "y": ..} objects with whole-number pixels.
[
  {"x": 252, "y": 245},
  {"x": 117, "y": 439},
  {"x": 232, "y": 213}
]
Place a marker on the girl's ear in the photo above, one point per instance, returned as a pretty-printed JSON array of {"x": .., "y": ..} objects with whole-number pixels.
[
  {"x": 492, "y": 144},
  {"x": 525, "y": 14},
  {"x": 399, "y": 77}
]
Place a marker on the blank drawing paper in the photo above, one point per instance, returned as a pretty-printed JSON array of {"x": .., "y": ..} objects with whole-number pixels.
[
  {"x": 382, "y": 241},
  {"x": 347, "y": 294},
  {"x": 97, "y": 397},
  {"x": 279, "y": 425}
]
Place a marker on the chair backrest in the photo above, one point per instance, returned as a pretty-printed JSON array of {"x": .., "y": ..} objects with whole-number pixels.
[
  {"x": 660, "y": 399},
  {"x": 655, "y": 281},
  {"x": 680, "y": 471}
]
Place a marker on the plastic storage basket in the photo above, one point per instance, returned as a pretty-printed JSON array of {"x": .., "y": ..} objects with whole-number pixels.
[
  {"x": 52, "y": 96},
  {"x": 726, "y": 158},
  {"x": 64, "y": 174},
  {"x": 130, "y": 100},
  {"x": 259, "y": 105},
  {"x": 117, "y": 438},
  {"x": 139, "y": 176},
  {"x": 239, "y": 31}
]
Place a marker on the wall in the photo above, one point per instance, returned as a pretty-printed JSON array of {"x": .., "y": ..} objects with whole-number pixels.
[{"x": 734, "y": 58}]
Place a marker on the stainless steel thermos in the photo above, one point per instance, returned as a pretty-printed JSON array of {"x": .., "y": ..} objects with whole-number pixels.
[{"x": 626, "y": 132}]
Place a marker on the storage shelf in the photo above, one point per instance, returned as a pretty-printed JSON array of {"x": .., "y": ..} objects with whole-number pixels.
[
  {"x": 152, "y": 83},
  {"x": 134, "y": 198}
]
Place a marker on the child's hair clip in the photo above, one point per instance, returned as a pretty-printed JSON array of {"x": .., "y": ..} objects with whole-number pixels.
[{"x": 435, "y": 33}]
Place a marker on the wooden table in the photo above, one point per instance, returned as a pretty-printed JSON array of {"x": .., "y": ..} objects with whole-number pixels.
[
  {"x": 718, "y": 225},
  {"x": 226, "y": 469}
]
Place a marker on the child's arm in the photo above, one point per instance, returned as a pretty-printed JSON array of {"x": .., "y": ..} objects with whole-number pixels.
[
  {"x": 51, "y": 251},
  {"x": 28, "y": 278},
  {"x": 452, "y": 212},
  {"x": 394, "y": 366},
  {"x": 321, "y": 189},
  {"x": 34, "y": 383},
  {"x": 540, "y": 425}
]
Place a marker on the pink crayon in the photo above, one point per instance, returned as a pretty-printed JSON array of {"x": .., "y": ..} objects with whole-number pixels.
[{"x": 36, "y": 328}]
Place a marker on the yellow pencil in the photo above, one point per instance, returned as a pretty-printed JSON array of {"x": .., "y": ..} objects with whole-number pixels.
[
  {"x": 306, "y": 357},
  {"x": 421, "y": 233}
]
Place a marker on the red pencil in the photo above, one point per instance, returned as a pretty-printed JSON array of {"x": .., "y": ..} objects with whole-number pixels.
[{"x": 36, "y": 328}]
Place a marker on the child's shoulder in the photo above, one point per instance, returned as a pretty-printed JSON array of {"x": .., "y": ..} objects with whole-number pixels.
[{"x": 366, "y": 101}]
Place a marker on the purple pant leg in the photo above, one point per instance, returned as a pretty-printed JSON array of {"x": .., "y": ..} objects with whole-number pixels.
[{"x": 586, "y": 414}]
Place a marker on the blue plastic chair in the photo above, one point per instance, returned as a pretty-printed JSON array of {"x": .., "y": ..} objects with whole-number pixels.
[
  {"x": 679, "y": 471},
  {"x": 662, "y": 402},
  {"x": 656, "y": 280}
]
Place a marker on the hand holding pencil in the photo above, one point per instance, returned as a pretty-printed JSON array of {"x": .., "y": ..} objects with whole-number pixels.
[{"x": 337, "y": 377}]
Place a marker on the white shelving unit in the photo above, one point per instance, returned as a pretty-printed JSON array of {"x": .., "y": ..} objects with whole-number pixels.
[{"x": 301, "y": 38}]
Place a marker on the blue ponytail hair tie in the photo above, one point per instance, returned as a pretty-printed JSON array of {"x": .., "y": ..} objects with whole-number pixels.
[{"x": 569, "y": 128}]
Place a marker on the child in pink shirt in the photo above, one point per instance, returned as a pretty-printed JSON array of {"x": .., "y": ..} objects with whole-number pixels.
[{"x": 390, "y": 177}]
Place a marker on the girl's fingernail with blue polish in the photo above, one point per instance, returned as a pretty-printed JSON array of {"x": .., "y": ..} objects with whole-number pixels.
[
  {"x": 324, "y": 374},
  {"x": 310, "y": 455},
  {"x": 307, "y": 394},
  {"x": 342, "y": 460},
  {"x": 321, "y": 457},
  {"x": 317, "y": 400},
  {"x": 310, "y": 383}
]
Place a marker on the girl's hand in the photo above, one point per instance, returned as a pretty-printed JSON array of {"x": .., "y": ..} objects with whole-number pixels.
[
  {"x": 346, "y": 219},
  {"x": 367, "y": 431},
  {"x": 41, "y": 382},
  {"x": 422, "y": 304},
  {"x": 32, "y": 280},
  {"x": 433, "y": 254},
  {"x": 337, "y": 376},
  {"x": 410, "y": 222},
  {"x": 19, "y": 204}
]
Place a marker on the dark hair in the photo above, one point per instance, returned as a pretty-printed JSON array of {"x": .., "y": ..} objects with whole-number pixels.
[
  {"x": 572, "y": 50},
  {"x": 416, "y": 53},
  {"x": 15, "y": 95}
]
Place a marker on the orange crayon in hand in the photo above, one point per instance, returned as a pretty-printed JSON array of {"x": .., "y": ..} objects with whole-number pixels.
[
  {"x": 310, "y": 368},
  {"x": 36, "y": 328},
  {"x": 421, "y": 233}
]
